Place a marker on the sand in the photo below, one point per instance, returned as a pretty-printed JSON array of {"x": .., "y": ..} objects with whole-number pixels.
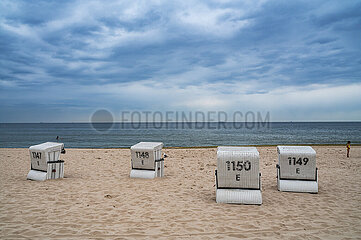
[{"x": 97, "y": 199}]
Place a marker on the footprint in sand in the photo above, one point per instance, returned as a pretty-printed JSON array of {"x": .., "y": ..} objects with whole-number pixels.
[{"x": 108, "y": 196}]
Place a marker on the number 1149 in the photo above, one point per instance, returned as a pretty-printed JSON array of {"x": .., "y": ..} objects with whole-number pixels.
[{"x": 297, "y": 161}]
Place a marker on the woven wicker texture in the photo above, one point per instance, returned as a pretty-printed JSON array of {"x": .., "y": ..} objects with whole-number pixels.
[
  {"x": 41, "y": 154},
  {"x": 239, "y": 196},
  {"x": 238, "y": 167},
  {"x": 144, "y": 155},
  {"x": 297, "y": 162}
]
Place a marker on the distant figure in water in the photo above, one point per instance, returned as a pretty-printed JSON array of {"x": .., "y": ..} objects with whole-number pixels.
[
  {"x": 57, "y": 138},
  {"x": 348, "y": 146}
]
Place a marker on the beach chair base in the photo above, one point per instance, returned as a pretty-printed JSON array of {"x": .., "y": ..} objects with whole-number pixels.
[
  {"x": 239, "y": 196},
  {"x": 55, "y": 170},
  {"x": 37, "y": 175},
  {"x": 286, "y": 185},
  {"x": 148, "y": 174}
]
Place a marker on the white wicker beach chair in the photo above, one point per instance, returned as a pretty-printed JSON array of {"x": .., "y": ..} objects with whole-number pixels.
[
  {"x": 45, "y": 163},
  {"x": 238, "y": 179},
  {"x": 147, "y": 161},
  {"x": 296, "y": 169}
]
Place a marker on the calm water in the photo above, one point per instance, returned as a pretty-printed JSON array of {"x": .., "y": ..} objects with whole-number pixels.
[{"x": 84, "y": 135}]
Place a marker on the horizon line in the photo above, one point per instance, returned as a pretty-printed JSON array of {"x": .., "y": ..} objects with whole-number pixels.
[{"x": 151, "y": 122}]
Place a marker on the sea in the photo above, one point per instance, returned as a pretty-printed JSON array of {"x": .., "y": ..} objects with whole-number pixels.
[{"x": 174, "y": 134}]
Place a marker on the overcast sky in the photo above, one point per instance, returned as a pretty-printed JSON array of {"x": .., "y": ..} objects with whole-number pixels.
[{"x": 62, "y": 60}]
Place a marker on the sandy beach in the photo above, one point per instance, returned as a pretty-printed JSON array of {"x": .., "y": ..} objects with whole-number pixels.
[{"x": 97, "y": 199}]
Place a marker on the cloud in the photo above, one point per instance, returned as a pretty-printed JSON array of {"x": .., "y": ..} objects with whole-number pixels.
[{"x": 183, "y": 55}]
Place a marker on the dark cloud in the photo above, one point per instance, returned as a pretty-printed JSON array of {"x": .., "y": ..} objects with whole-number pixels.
[
  {"x": 95, "y": 46},
  {"x": 349, "y": 12}
]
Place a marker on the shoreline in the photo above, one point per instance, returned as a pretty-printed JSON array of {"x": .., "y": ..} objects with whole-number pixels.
[{"x": 207, "y": 147}]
